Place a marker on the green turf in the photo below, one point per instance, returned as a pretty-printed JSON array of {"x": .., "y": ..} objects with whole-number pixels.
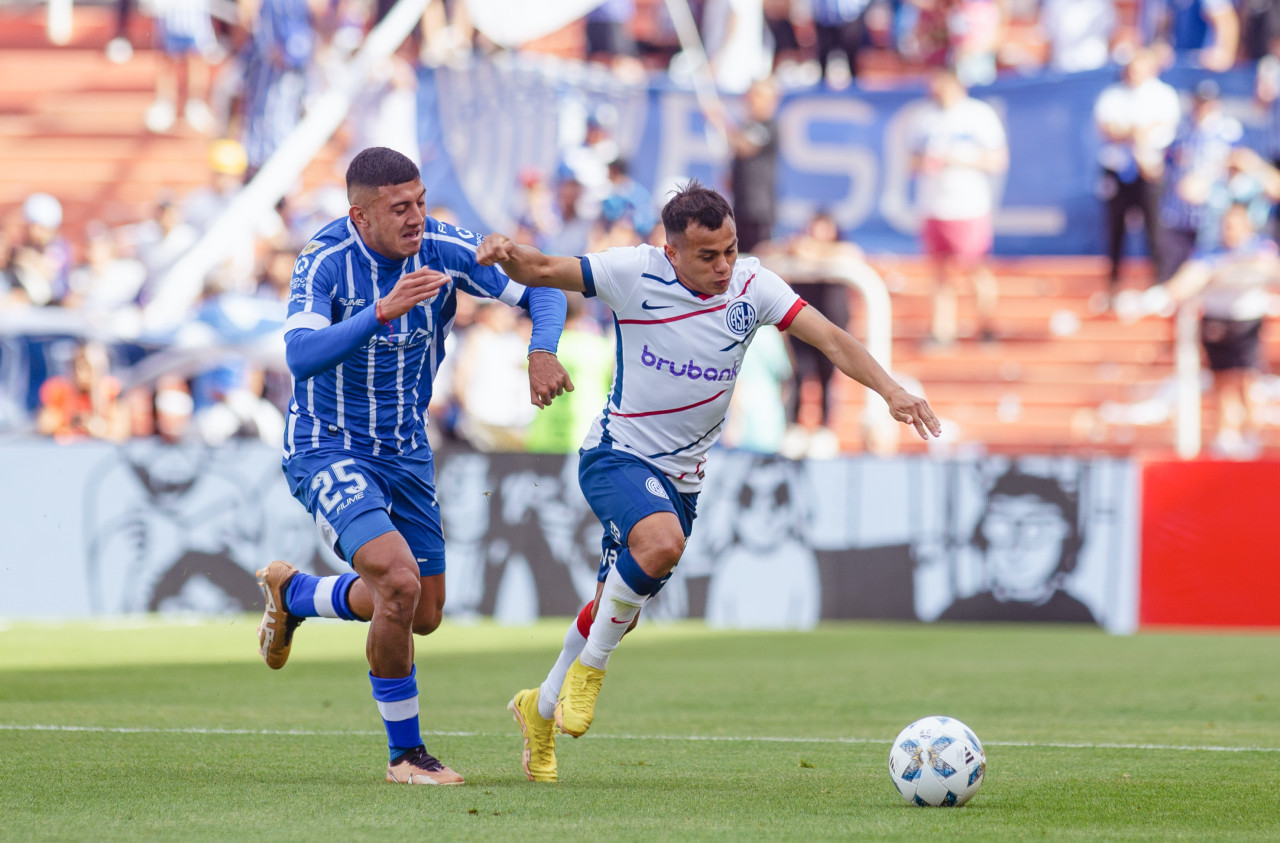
[{"x": 164, "y": 730}]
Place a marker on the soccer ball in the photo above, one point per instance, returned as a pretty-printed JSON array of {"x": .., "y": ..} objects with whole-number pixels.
[{"x": 937, "y": 761}]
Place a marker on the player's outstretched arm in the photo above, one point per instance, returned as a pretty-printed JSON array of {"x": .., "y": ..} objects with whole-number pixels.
[
  {"x": 854, "y": 360},
  {"x": 529, "y": 266}
]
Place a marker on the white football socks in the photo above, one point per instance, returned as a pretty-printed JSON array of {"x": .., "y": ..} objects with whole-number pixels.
[
  {"x": 617, "y": 608},
  {"x": 550, "y": 692}
]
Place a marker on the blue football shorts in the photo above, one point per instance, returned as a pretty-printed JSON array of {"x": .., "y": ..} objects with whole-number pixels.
[
  {"x": 623, "y": 489},
  {"x": 357, "y": 497}
]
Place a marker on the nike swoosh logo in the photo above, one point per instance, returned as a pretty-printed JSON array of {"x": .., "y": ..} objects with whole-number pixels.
[
  {"x": 615, "y": 620},
  {"x": 648, "y": 306}
]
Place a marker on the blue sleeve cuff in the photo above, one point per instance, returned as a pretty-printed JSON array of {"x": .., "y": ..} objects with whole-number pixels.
[
  {"x": 312, "y": 351},
  {"x": 588, "y": 278},
  {"x": 547, "y": 308}
]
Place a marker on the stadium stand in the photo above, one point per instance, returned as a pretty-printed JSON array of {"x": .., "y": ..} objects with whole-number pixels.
[{"x": 1063, "y": 378}]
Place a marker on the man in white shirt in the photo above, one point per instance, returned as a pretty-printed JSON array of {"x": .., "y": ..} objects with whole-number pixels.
[
  {"x": 684, "y": 316},
  {"x": 958, "y": 147},
  {"x": 1138, "y": 119},
  {"x": 1079, "y": 33}
]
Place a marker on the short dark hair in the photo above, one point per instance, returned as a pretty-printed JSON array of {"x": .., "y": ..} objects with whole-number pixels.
[
  {"x": 692, "y": 203},
  {"x": 378, "y": 166}
]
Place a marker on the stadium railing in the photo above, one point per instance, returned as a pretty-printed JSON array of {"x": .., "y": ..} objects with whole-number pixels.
[
  {"x": 1187, "y": 434},
  {"x": 879, "y": 430}
]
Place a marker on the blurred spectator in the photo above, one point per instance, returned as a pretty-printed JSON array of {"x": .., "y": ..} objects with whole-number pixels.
[
  {"x": 227, "y": 165},
  {"x": 492, "y": 419},
  {"x": 958, "y": 146},
  {"x": 973, "y": 35},
  {"x": 447, "y": 33},
  {"x": 1232, "y": 281},
  {"x": 840, "y": 25},
  {"x": 277, "y": 274},
  {"x": 587, "y": 157},
  {"x": 275, "y": 79},
  {"x": 105, "y": 281},
  {"x": 160, "y": 241},
  {"x": 588, "y": 358},
  {"x": 86, "y": 403},
  {"x": 188, "y": 45},
  {"x": 609, "y": 39},
  {"x": 173, "y": 410},
  {"x": 734, "y": 36},
  {"x": 816, "y": 248},
  {"x": 1250, "y": 181},
  {"x": 1195, "y": 163},
  {"x": 1267, "y": 93},
  {"x": 228, "y": 403},
  {"x": 1078, "y": 32},
  {"x": 1138, "y": 119},
  {"x": 535, "y": 210},
  {"x": 39, "y": 265},
  {"x": 929, "y": 42},
  {"x": 782, "y": 32},
  {"x": 753, "y": 174},
  {"x": 572, "y": 230},
  {"x": 628, "y": 201},
  {"x": 1260, "y": 23},
  {"x": 1206, "y": 31}
]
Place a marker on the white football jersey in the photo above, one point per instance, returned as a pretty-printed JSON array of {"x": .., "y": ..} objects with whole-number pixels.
[{"x": 678, "y": 354}]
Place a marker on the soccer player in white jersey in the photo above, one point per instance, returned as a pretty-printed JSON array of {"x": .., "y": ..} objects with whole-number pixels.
[
  {"x": 684, "y": 316},
  {"x": 372, "y": 300}
]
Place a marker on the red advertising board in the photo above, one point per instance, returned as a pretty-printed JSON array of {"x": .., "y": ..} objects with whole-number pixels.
[{"x": 1210, "y": 544}]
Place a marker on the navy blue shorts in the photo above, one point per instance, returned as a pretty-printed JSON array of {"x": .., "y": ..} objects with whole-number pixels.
[
  {"x": 623, "y": 489},
  {"x": 357, "y": 497}
]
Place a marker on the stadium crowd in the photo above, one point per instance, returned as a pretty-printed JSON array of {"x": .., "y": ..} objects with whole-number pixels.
[{"x": 246, "y": 82}]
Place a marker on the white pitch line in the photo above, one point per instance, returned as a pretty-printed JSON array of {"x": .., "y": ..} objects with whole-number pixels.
[{"x": 338, "y": 733}]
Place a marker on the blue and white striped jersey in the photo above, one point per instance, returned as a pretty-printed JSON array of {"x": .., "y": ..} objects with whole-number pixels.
[
  {"x": 1203, "y": 151},
  {"x": 375, "y": 400}
]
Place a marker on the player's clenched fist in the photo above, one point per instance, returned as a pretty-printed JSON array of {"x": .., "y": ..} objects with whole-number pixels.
[
  {"x": 496, "y": 248},
  {"x": 418, "y": 286}
]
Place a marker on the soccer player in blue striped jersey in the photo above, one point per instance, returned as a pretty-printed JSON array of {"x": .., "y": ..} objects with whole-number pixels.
[
  {"x": 684, "y": 316},
  {"x": 372, "y": 300}
]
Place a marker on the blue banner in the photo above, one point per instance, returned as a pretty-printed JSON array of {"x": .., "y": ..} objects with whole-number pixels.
[{"x": 841, "y": 151}]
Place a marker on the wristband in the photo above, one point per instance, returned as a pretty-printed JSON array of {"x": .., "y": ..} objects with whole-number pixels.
[
  {"x": 377, "y": 311},
  {"x": 534, "y": 351}
]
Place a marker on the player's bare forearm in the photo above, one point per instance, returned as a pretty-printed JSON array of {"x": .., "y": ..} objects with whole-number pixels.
[{"x": 530, "y": 267}]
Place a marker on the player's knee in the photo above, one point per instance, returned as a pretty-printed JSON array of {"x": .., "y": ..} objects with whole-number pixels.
[
  {"x": 427, "y": 619},
  {"x": 397, "y": 592},
  {"x": 660, "y": 552}
]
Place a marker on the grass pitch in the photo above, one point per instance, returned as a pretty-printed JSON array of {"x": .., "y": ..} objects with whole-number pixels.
[{"x": 153, "y": 729}]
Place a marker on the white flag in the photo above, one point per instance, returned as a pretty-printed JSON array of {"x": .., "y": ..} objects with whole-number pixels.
[{"x": 510, "y": 23}]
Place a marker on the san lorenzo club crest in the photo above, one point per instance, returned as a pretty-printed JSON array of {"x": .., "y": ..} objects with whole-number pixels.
[{"x": 740, "y": 317}]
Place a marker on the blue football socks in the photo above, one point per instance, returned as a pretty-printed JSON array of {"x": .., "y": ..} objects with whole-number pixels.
[
  {"x": 398, "y": 704},
  {"x": 320, "y": 597}
]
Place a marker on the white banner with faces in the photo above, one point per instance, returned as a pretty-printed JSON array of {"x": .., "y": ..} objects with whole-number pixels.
[{"x": 93, "y": 530}]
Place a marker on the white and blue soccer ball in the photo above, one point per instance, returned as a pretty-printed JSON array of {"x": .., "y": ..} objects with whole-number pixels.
[{"x": 937, "y": 761}]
